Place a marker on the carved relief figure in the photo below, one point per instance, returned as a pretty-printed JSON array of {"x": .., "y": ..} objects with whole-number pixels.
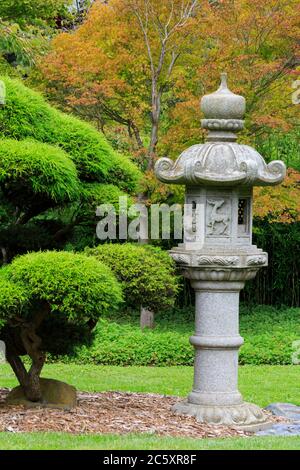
[{"x": 218, "y": 217}]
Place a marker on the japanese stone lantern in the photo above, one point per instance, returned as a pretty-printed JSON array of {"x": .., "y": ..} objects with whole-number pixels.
[
  {"x": 2, "y": 93},
  {"x": 217, "y": 254}
]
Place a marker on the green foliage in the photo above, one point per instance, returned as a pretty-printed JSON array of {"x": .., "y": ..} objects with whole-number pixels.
[
  {"x": 34, "y": 236},
  {"x": 28, "y": 115},
  {"x": 25, "y": 11},
  {"x": 126, "y": 345},
  {"x": 26, "y": 27},
  {"x": 118, "y": 340},
  {"x": 12, "y": 299},
  {"x": 147, "y": 274},
  {"x": 17, "y": 48},
  {"x": 91, "y": 196},
  {"x": 279, "y": 146},
  {"x": 33, "y": 178},
  {"x": 55, "y": 167},
  {"x": 269, "y": 334},
  {"x": 279, "y": 283},
  {"x": 95, "y": 193},
  {"x": 36, "y": 170},
  {"x": 74, "y": 285}
]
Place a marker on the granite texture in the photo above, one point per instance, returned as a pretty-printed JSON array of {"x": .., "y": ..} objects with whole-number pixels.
[
  {"x": 246, "y": 416},
  {"x": 221, "y": 161}
]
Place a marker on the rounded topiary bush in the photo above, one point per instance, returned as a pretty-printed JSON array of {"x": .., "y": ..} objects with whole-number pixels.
[
  {"x": 29, "y": 169},
  {"x": 12, "y": 299},
  {"x": 73, "y": 284},
  {"x": 53, "y": 167},
  {"x": 39, "y": 286},
  {"x": 147, "y": 274},
  {"x": 26, "y": 115}
]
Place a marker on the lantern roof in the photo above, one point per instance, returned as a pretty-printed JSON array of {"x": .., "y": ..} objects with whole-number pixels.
[{"x": 220, "y": 161}]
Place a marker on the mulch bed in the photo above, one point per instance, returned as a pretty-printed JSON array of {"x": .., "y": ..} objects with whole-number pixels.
[{"x": 110, "y": 412}]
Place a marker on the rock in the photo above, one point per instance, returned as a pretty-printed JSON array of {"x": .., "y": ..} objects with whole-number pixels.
[
  {"x": 281, "y": 430},
  {"x": 55, "y": 394},
  {"x": 286, "y": 410}
]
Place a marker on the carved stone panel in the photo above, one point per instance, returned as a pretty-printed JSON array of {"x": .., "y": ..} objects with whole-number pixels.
[
  {"x": 218, "y": 217},
  {"x": 244, "y": 216},
  {"x": 194, "y": 219}
]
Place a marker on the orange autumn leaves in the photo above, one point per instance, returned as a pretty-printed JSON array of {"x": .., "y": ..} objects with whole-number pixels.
[
  {"x": 101, "y": 70},
  {"x": 279, "y": 203}
]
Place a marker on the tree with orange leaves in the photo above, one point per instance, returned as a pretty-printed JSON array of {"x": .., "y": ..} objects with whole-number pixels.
[
  {"x": 279, "y": 203},
  {"x": 122, "y": 61},
  {"x": 145, "y": 63},
  {"x": 257, "y": 42}
]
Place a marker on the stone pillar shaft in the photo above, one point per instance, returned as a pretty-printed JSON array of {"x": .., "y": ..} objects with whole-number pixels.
[{"x": 216, "y": 341}]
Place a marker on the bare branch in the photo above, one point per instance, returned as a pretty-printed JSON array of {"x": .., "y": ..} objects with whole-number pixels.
[
  {"x": 175, "y": 56},
  {"x": 144, "y": 28},
  {"x": 169, "y": 19}
]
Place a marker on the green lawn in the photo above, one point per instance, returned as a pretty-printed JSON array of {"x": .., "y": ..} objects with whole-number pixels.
[
  {"x": 261, "y": 384},
  {"x": 54, "y": 441}
]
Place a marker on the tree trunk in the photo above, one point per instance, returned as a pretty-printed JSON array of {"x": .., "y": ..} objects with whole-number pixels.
[
  {"x": 155, "y": 116},
  {"x": 23, "y": 339},
  {"x": 146, "y": 315},
  {"x": 15, "y": 362},
  {"x": 137, "y": 135},
  {"x": 32, "y": 343},
  {"x": 4, "y": 255}
]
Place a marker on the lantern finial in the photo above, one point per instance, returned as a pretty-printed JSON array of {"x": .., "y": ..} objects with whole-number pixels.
[
  {"x": 224, "y": 80},
  {"x": 224, "y": 112}
]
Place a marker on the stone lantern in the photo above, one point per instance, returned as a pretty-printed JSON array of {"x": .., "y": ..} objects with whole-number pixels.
[
  {"x": 2, "y": 93},
  {"x": 217, "y": 254}
]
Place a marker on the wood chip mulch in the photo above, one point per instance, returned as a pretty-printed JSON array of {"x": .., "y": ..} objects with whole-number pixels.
[{"x": 110, "y": 412}]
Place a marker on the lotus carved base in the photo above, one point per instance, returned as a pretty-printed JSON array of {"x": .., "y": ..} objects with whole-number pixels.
[{"x": 246, "y": 416}]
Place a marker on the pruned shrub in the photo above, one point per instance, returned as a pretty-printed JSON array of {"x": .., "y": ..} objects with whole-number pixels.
[
  {"x": 147, "y": 274},
  {"x": 27, "y": 115},
  {"x": 39, "y": 286},
  {"x": 36, "y": 170}
]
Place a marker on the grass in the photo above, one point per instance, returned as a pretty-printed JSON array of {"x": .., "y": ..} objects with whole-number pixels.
[
  {"x": 54, "y": 441},
  {"x": 260, "y": 384}
]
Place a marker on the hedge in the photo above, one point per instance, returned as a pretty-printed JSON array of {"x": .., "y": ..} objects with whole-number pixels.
[{"x": 268, "y": 332}]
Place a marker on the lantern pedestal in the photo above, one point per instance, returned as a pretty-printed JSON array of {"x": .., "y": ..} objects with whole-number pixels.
[{"x": 215, "y": 397}]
